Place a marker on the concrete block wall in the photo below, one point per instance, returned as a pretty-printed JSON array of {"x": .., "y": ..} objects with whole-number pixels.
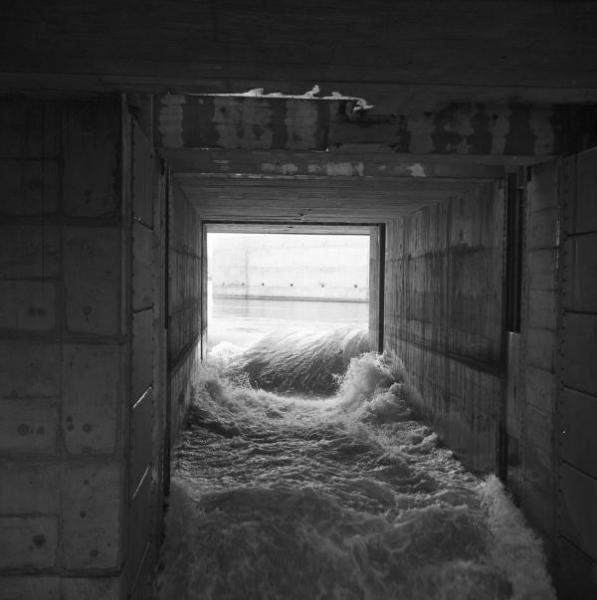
[
  {"x": 443, "y": 316},
  {"x": 184, "y": 303},
  {"x": 531, "y": 422},
  {"x": 576, "y": 408},
  {"x": 63, "y": 352}
]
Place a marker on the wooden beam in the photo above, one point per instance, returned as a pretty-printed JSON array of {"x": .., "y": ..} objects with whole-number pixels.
[{"x": 274, "y": 123}]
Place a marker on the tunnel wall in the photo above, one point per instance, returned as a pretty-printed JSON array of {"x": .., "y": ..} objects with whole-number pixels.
[
  {"x": 443, "y": 316},
  {"x": 576, "y": 408},
  {"x": 184, "y": 303},
  {"x": 63, "y": 349}
]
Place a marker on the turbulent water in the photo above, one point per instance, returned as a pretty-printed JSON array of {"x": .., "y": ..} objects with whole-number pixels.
[{"x": 298, "y": 496}]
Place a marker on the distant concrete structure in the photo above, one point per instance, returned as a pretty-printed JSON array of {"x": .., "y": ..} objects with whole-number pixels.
[{"x": 289, "y": 266}]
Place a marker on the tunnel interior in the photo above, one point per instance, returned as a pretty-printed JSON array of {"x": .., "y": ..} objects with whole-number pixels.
[{"x": 477, "y": 192}]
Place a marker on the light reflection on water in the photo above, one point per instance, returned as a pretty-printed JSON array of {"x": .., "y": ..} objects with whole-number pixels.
[{"x": 243, "y": 321}]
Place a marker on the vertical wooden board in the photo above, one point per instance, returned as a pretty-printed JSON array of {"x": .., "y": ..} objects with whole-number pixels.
[
  {"x": 141, "y": 438},
  {"x": 142, "y": 353},
  {"x": 577, "y": 509},
  {"x": 92, "y": 132},
  {"x": 580, "y": 264},
  {"x": 577, "y": 439},
  {"x": 143, "y": 296},
  {"x": 579, "y": 348},
  {"x": 143, "y": 189},
  {"x": 585, "y": 210},
  {"x": 577, "y": 573}
]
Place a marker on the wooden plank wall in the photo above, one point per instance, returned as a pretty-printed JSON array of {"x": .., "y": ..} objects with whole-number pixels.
[{"x": 443, "y": 316}]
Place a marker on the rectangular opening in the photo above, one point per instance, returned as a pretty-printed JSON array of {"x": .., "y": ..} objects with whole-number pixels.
[{"x": 262, "y": 280}]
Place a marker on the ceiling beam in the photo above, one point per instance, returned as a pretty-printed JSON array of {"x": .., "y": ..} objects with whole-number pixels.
[
  {"x": 324, "y": 200},
  {"x": 312, "y": 124},
  {"x": 286, "y": 163}
]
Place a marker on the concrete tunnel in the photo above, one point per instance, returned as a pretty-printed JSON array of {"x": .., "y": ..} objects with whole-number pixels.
[{"x": 478, "y": 191}]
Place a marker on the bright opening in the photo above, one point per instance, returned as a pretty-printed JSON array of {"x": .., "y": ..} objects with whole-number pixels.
[{"x": 259, "y": 284}]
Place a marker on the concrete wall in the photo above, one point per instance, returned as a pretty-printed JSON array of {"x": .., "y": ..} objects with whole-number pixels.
[
  {"x": 322, "y": 267},
  {"x": 576, "y": 408},
  {"x": 64, "y": 349},
  {"x": 443, "y": 316},
  {"x": 184, "y": 304},
  {"x": 96, "y": 350}
]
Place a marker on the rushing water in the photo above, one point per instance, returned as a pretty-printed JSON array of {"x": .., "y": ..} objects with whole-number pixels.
[{"x": 298, "y": 496}]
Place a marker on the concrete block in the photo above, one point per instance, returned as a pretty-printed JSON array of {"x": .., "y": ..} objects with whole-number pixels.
[
  {"x": 580, "y": 274},
  {"x": 542, "y": 309},
  {"x": 93, "y": 398},
  {"x": 142, "y": 353},
  {"x": 29, "y": 187},
  {"x": 45, "y": 587},
  {"x": 92, "y": 516},
  {"x": 543, "y": 229},
  {"x": 538, "y": 504},
  {"x": 542, "y": 266},
  {"x": 585, "y": 210},
  {"x": 540, "y": 348},
  {"x": 30, "y": 587},
  {"x": 141, "y": 426},
  {"x": 29, "y": 252},
  {"x": 143, "y": 185},
  {"x": 142, "y": 267},
  {"x": 27, "y": 305},
  {"x": 540, "y": 390},
  {"x": 91, "y": 158},
  {"x": 578, "y": 443},
  {"x": 91, "y": 262},
  {"x": 543, "y": 187},
  {"x": 91, "y": 588},
  {"x": 579, "y": 347},
  {"x": 29, "y": 488},
  {"x": 30, "y": 128},
  {"x": 28, "y": 541},
  {"x": 576, "y": 507},
  {"x": 28, "y": 426},
  {"x": 29, "y": 369},
  {"x": 539, "y": 442}
]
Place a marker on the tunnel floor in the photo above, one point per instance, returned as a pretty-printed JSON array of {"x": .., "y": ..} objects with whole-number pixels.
[{"x": 342, "y": 493}]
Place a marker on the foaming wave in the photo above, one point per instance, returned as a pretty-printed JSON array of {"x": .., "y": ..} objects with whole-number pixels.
[
  {"x": 347, "y": 496},
  {"x": 302, "y": 360}
]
